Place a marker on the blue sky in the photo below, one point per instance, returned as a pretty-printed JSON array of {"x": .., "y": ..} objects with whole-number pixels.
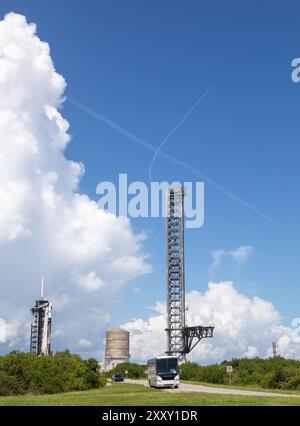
[{"x": 143, "y": 65}]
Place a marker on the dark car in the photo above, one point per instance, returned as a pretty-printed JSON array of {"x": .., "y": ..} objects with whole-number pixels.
[{"x": 117, "y": 378}]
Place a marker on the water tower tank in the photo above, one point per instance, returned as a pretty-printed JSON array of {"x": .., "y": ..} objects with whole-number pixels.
[{"x": 117, "y": 345}]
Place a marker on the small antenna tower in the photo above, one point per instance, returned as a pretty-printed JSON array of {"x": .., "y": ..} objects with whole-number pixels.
[{"x": 274, "y": 347}]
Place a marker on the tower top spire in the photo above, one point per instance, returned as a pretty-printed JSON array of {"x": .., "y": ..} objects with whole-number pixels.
[{"x": 42, "y": 288}]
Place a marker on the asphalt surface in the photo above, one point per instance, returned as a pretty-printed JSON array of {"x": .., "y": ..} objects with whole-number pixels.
[{"x": 187, "y": 387}]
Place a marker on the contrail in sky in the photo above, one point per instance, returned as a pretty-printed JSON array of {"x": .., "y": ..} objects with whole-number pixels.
[
  {"x": 175, "y": 128},
  {"x": 170, "y": 158}
]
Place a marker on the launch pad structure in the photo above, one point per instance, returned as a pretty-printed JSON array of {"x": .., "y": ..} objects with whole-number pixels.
[
  {"x": 40, "y": 339},
  {"x": 181, "y": 339}
]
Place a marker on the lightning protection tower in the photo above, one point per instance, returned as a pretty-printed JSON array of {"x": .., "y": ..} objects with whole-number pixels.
[
  {"x": 180, "y": 338},
  {"x": 274, "y": 349},
  {"x": 41, "y": 326}
]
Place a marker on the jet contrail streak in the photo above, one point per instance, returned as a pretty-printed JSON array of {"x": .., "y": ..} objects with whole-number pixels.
[
  {"x": 174, "y": 130},
  {"x": 170, "y": 158}
]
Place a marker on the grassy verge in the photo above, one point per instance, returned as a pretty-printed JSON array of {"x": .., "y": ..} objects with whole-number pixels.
[
  {"x": 127, "y": 394},
  {"x": 240, "y": 387}
]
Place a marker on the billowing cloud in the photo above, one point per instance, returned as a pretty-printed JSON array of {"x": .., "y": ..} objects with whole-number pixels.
[
  {"x": 243, "y": 327},
  {"x": 13, "y": 331},
  {"x": 46, "y": 225},
  {"x": 239, "y": 255},
  {"x": 84, "y": 343},
  {"x": 57, "y": 333},
  {"x": 61, "y": 302}
]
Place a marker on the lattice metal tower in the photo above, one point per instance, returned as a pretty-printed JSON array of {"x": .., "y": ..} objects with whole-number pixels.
[
  {"x": 175, "y": 271},
  {"x": 41, "y": 326},
  {"x": 180, "y": 338}
]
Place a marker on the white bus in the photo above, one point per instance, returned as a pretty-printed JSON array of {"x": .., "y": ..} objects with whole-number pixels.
[{"x": 163, "y": 372}]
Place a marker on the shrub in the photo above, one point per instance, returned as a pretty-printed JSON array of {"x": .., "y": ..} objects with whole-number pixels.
[
  {"x": 22, "y": 373},
  {"x": 9, "y": 385},
  {"x": 135, "y": 371}
]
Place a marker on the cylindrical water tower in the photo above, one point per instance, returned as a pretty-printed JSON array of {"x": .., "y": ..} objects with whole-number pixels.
[{"x": 116, "y": 347}]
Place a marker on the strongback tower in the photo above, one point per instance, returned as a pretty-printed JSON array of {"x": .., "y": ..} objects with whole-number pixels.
[
  {"x": 180, "y": 338},
  {"x": 40, "y": 339},
  {"x": 175, "y": 271}
]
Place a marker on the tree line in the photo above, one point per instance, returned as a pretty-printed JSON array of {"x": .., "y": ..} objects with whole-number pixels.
[
  {"x": 271, "y": 373},
  {"x": 129, "y": 370},
  {"x": 22, "y": 373}
]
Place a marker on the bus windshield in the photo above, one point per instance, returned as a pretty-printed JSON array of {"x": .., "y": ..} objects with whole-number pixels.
[{"x": 167, "y": 365}]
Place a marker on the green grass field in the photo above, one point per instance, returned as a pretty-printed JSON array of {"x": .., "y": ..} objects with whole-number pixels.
[{"x": 127, "y": 394}]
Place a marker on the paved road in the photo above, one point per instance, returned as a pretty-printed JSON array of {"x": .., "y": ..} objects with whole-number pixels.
[{"x": 187, "y": 387}]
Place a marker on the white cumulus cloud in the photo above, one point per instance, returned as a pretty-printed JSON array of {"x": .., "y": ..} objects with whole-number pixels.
[
  {"x": 243, "y": 327},
  {"x": 46, "y": 225},
  {"x": 240, "y": 255},
  {"x": 84, "y": 343}
]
